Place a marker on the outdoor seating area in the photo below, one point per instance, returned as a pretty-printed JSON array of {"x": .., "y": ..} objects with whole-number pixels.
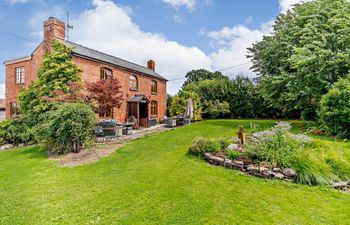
[{"x": 110, "y": 130}]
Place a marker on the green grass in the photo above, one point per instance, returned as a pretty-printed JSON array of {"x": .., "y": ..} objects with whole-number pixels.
[{"x": 153, "y": 181}]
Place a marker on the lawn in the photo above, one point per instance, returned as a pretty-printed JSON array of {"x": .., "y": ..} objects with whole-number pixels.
[{"x": 153, "y": 181}]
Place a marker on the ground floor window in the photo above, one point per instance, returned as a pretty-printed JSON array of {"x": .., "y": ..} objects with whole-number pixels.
[
  {"x": 154, "y": 108},
  {"x": 14, "y": 109}
]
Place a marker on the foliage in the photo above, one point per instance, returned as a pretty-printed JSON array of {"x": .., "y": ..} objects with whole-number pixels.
[
  {"x": 224, "y": 142},
  {"x": 72, "y": 94},
  {"x": 21, "y": 130},
  {"x": 241, "y": 94},
  {"x": 233, "y": 155},
  {"x": 179, "y": 103},
  {"x": 278, "y": 146},
  {"x": 104, "y": 94},
  {"x": 196, "y": 76},
  {"x": 9, "y": 132},
  {"x": 334, "y": 110},
  {"x": 169, "y": 99},
  {"x": 308, "y": 51},
  {"x": 307, "y": 173},
  {"x": 201, "y": 145},
  {"x": 215, "y": 109},
  {"x": 69, "y": 127},
  {"x": 56, "y": 71}
]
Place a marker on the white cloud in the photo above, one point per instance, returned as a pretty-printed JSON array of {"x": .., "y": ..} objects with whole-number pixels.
[
  {"x": 17, "y": 1},
  {"x": 97, "y": 28},
  {"x": 177, "y": 18},
  {"x": 288, "y": 4},
  {"x": 233, "y": 43},
  {"x": 2, "y": 91},
  {"x": 189, "y": 4}
]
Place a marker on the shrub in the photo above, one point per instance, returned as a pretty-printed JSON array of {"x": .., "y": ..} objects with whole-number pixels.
[
  {"x": 224, "y": 142},
  {"x": 69, "y": 127},
  {"x": 9, "y": 132},
  {"x": 334, "y": 109},
  {"x": 277, "y": 146},
  {"x": 17, "y": 131},
  {"x": 215, "y": 109},
  {"x": 200, "y": 146},
  {"x": 233, "y": 155}
]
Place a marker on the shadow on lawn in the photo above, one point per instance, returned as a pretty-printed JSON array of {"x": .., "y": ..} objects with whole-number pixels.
[{"x": 32, "y": 152}]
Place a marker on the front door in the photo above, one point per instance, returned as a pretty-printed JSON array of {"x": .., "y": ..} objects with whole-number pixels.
[{"x": 143, "y": 114}]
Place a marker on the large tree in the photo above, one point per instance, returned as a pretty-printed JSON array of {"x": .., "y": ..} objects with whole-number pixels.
[
  {"x": 56, "y": 72},
  {"x": 308, "y": 51},
  {"x": 196, "y": 76}
]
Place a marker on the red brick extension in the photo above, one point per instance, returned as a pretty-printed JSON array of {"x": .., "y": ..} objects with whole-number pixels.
[{"x": 55, "y": 30}]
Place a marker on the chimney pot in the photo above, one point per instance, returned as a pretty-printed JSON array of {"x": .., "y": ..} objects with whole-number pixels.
[{"x": 151, "y": 65}]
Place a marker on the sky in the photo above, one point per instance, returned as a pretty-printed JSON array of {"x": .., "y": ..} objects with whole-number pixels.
[{"x": 180, "y": 35}]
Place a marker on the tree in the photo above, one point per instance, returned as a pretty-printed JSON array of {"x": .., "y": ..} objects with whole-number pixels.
[
  {"x": 215, "y": 109},
  {"x": 308, "y": 51},
  {"x": 241, "y": 93},
  {"x": 105, "y": 95},
  {"x": 56, "y": 71},
  {"x": 196, "y": 76},
  {"x": 179, "y": 102},
  {"x": 334, "y": 109}
]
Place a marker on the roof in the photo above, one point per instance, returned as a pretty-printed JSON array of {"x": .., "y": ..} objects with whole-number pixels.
[
  {"x": 138, "y": 98},
  {"x": 2, "y": 104},
  {"x": 103, "y": 57},
  {"x": 16, "y": 60}
]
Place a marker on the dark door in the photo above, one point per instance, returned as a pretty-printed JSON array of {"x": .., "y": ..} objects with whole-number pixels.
[{"x": 143, "y": 113}]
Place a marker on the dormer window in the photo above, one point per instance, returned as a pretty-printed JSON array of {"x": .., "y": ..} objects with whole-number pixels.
[
  {"x": 20, "y": 75},
  {"x": 154, "y": 87},
  {"x": 106, "y": 73},
  {"x": 133, "y": 84}
]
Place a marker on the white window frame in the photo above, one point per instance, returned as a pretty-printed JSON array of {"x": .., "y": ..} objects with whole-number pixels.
[{"x": 20, "y": 75}]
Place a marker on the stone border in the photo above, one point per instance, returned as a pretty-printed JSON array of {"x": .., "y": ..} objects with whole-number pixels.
[{"x": 263, "y": 172}]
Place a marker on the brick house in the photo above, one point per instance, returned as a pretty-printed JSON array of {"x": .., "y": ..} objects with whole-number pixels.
[{"x": 144, "y": 90}]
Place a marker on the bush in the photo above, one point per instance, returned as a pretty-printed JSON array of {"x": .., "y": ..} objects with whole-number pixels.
[
  {"x": 200, "y": 146},
  {"x": 9, "y": 132},
  {"x": 224, "y": 142},
  {"x": 278, "y": 146},
  {"x": 215, "y": 109},
  {"x": 334, "y": 109},
  {"x": 233, "y": 155},
  {"x": 18, "y": 131},
  {"x": 69, "y": 127}
]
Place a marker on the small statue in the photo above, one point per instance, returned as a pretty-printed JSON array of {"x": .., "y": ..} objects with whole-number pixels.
[{"x": 241, "y": 135}]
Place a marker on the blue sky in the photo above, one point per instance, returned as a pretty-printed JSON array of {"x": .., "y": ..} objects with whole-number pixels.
[{"x": 179, "y": 35}]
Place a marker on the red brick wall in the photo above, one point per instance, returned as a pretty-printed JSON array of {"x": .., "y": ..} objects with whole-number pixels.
[
  {"x": 31, "y": 68},
  {"x": 91, "y": 72}
]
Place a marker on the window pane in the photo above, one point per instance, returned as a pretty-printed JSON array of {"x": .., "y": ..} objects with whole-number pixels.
[
  {"x": 20, "y": 75},
  {"x": 133, "y": 82}
]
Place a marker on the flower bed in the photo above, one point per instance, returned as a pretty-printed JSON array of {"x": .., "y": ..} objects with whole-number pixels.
[{"x": 272, "y": 154}]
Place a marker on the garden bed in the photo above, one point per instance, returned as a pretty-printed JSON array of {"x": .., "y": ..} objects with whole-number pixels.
[{"x": 276, "y": 153}]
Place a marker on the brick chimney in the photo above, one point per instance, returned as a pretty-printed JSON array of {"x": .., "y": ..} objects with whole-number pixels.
[
  {"x": 151, "y": 65},
  {"x": 54, "y": 29}
]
